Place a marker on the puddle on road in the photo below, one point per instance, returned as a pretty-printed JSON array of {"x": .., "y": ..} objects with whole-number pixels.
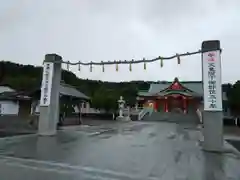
[
  {"x": 138, "y": 145},
  {"x": 104, "y": 134},
  {"x": 235, "y": 143},
  {"x": 152, "y": 135},
  {"x": 177, "y": 156}
]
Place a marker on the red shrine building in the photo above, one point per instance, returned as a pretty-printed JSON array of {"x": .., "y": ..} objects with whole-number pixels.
[{"x": 167, "y": 96}]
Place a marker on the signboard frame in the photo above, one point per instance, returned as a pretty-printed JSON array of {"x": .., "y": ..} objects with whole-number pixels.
[
  {"x": 46, "y": 87},
  {"x": 212, "y": 80}
]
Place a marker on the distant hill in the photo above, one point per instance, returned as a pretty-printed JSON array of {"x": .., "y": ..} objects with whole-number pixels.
[{"x": 28, "y": 77}]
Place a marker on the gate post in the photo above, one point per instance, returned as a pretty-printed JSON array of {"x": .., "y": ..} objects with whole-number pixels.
[
  {"x": 49, "y": 101},
  {"x": 212, "y": 86}
]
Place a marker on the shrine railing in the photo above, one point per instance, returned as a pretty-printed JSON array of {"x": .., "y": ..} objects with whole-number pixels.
[
  {"x": 144, "y": 112},
  {"x": 199, "y": 114},
  {"x": 132, "y": 111}
]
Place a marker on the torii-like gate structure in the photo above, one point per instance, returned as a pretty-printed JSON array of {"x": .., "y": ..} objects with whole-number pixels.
[{"x": 212, "y": 113}]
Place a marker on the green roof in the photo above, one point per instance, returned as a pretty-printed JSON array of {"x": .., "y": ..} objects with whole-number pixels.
[
  {"x": 178, "y": 92},
  {"x": 142, "y": 93},
  {"x": 195, "y": 88}
]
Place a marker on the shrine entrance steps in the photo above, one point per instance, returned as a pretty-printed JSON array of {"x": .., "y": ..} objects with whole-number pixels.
[{"x": 175, "y": 117}]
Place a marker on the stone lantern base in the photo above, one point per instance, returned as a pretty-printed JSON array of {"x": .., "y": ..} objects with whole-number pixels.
[{"x": 123, "y": 118}]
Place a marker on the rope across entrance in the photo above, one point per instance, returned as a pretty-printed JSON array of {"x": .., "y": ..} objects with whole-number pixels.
[{"x": 130, "y": 62}]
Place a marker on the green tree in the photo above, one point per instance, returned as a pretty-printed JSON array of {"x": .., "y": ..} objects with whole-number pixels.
[
  {"x": 105, "y": 99},
  {"x": 104, "y": 95},
  {"x": 97, "y": 100}
]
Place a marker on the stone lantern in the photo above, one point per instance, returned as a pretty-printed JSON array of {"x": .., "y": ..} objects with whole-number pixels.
[{"x": 121, "y": 103}]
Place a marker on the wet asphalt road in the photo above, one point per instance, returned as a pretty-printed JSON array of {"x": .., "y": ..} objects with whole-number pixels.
[{"x": 126, "y": 151}]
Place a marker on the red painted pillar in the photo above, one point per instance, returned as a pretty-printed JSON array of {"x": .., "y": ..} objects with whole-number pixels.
[
  {"x": 156, "y": 105},
  {"x": 166, "y": 104}
]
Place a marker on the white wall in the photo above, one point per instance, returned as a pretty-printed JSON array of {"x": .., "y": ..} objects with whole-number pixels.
[
  {"x": 224, "y": 96},
  {"x": 84, "y": 108},
  {"x": 37, "y": 107},
  {"x": 6, "y": 89},
  {"x": 9, "y": 108}
]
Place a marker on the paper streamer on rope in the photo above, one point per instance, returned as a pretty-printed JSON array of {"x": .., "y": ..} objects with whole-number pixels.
[
  {"x": 178, "y": 59},
  {"x": 161, "y": 62},
  {"x": 144, "y": 65},
  {"x": 79, "y": 66},
  {"x": 103, "y": 67},
  {"x": 68, "y": 64},
  {"x": 117, "y": 66},
  {"x": 91, "y": 67},
  {"x": 130, "y": 66}
]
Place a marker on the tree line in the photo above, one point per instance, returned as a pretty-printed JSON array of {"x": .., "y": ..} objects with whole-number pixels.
[{"x": 103, "y": 94}]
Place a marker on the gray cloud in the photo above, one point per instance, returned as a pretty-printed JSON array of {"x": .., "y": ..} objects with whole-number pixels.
[{"x": 128, "y": 29}]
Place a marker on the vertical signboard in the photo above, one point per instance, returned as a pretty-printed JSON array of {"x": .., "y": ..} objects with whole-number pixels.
[
  {"x": 212, "y": 84},
  {"x": 46, "y": 84}
]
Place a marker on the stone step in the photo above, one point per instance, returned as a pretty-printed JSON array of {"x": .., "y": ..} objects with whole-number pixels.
[{"x": 171, "y": 117}]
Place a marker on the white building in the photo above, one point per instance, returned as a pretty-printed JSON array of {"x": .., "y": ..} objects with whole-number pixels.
[
  {"x": 11, "y": 101},
  {"x": 70, "y": 92},
  {"x": 18, "y": 103},
  {"x": 7, "y": 106},
  {"x": 4, "y": 88}
]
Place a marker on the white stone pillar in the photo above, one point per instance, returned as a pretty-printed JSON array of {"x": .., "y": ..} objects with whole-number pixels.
[
  {"x": 49, "y": 102},
  {"x": 212, "y": 85},
  {"x": 120, "y": 112}
]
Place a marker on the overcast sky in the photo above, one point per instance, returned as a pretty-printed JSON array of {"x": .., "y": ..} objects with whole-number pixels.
[{"x": 95, "y": 30}]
